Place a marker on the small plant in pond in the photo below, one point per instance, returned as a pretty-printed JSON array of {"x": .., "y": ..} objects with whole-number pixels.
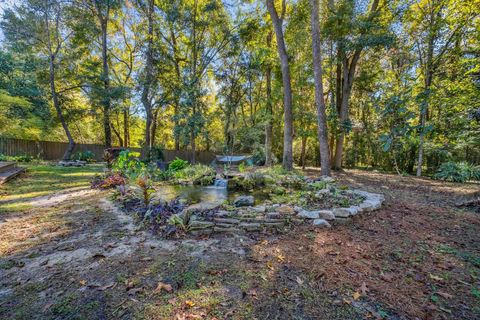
[{"x": 177, "y": 165}]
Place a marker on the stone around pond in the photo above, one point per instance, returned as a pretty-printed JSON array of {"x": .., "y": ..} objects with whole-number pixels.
[
  {"x": 345, "y": 212},
  {"x": 321, "y": 223},
  {"x": 285, "y": 210},
  {"x": 244, "y": 201}
]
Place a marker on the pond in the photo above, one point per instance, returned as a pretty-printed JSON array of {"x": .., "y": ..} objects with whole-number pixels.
[{"x": 207, "y": 194}]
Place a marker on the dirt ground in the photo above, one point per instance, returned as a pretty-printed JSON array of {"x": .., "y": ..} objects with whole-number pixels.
[{"x": 74, "y": 255}]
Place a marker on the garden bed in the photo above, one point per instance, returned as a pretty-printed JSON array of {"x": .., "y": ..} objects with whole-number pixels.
[{"x": 185, "y": 199}]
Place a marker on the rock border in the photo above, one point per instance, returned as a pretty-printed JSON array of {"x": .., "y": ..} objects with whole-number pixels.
[{"x": 275, "y": 216}]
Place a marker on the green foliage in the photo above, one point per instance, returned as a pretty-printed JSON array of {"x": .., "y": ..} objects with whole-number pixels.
[
  {"x": 457, "y": 172},
  {"x": 20, "y": 158},
  {"x": 177, "y": 165},
  {"x": 128, "y": 164},
  {"x": 155, "y": 154},
  {"x": 197, "y": 174},
  {"x": 144, "y": 183},
  {"x": 87, "y": 155}
]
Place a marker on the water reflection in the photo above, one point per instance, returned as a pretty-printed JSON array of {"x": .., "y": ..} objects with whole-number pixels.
[{"x": 209, "y": 194}]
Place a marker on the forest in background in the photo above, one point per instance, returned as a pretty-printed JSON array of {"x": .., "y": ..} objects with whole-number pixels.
[{"x": 400, "y": 80}]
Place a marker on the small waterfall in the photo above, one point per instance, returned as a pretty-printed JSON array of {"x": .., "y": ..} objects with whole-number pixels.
[{"x": 220, "y": 183}]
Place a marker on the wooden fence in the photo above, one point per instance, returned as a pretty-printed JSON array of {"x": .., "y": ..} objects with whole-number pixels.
[{"x": 49, "y": 150}]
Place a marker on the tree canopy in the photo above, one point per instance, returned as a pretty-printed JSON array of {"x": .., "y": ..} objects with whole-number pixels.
[{"x": 343, "y": 83}]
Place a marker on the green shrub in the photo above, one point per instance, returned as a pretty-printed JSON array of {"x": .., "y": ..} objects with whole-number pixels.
[
  {"x": 128, "y": 164},
  {"x": 197, "y": 174},
  {"x": 155, "y": 154},
  {"x": 177, "y": 165},
  {"x": 457, "y": 172},
  {"x": 241, "y": 167},
  {"x": 21, "y": 158},
  {"x": 87, "y": 155}
]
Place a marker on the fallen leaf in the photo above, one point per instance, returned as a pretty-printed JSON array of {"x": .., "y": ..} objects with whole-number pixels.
[
  {"x": 299, "y": 280},
  {"x": 356, "y": 295},
  {"x": 83, "y": 282},
  {"x": 189, "y": 303},
  {"x": 163, "y": 286},
  {"x": 434, "y": 277},
  {"x": 280, "y": 258},
  {"x": 269, "y": 265}
]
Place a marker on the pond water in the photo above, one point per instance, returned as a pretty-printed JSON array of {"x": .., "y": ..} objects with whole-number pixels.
[{"x": 208, "y": 194}]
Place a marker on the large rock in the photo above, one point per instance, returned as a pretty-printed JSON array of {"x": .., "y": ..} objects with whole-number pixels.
[
  {"x": 317, "y": 214},
  {"x": 370, "y": 204},
  {"x": 251, "y": 226},
  {"x": 273, "y": 215},
  {"x": 326, "y": 214},
  {"x": 259, "y": 208},
  {"x": 243, "y": 201},
  {"x": 285, "y": 210},
  {"x": 226, "y": 220},
  {"x": 224, "y": 213},
  {"x": 345, "y": 212},
  {"x": 308, "y": 214},
  {"x": 321, "y": 223},
  {"x": 199, "y": 224}
]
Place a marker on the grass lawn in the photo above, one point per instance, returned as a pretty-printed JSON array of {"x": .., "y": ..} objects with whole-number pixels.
[{"x": 42, "y": 179}]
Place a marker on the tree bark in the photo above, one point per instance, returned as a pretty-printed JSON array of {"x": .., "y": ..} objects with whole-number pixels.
[
  {"x": 106, "y": 82},
  {"x": 319, "y": 98},
  {"x": 176, "y": 95},
  {"x": 56, "y": 103},
  {"x": 349, "y": 66},
  {"x": 287, "y": 89},
  {"x": 154, "y": 126},
  {"x": 126, "y": 133},
  {"x": 304, "y": 151},
  {"x": 269, "y": 109},
  {"x": 146, "y": 97}
]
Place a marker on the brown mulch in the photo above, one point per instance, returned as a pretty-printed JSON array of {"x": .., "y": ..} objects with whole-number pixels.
[{"x": 418, "y": 257}]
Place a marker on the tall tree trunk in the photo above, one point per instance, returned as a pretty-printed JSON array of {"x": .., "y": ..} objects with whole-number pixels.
[
  {"x": 304, "y": 151},
  {"x": 56, "y": 104},
  {"x": 71, "y": 143},
  {"x": 287, "y": 89},
  {"x": 269, "y": 109},
  {"x": 319, "y": 98},
  {"x": 154, "y": 126},
  {"x": 424, "y": 107},
  {"x": 146, "y": 94},
  {"x": 194, "y": 147},
  {"x": 348, "y": 68},
  {"x": 106, "y": 83},
  {"x": 126, "y": 134},
  {"x": 176, "y": 93},
  {"x": 117, "y": 134}
]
